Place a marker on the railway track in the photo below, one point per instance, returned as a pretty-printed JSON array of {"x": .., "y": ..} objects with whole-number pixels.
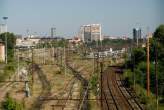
[
  {"x": 84, "y": 83},
  {"x": 116, "y": 100},
  {"x": 69, "y": 89},
  {"x": 126, "y": 93},
  {"x": 119, "y": 97},
  {"x": 84, "y": 94},
  {"x": 106, "y": 99},
  {"x": 46, "y": 88}
]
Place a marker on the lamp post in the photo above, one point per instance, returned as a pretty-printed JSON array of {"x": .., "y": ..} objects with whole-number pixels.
[{"x": 5, "y": 19}]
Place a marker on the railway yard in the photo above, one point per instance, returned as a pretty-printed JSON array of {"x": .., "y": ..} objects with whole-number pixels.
[{"x": 61, "y": 79}]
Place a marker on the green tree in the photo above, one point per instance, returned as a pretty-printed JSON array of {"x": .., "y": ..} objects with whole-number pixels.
[
  {"x": 138, "y": 55},
  {"x": 159, "y": 34},
  {"x": 157, "y": 42},
  {"x": 157, "y": 46},
  {"x": 116, "y": 43},
  {"x": 74, "y": 43},
  {"x": 11, "y": 42},
  {"x": 54, "y": 43},
  {"x": 11, "y": 39},
  {"x": 63, "y": 42},
  {"x": 10, "y": 103}
]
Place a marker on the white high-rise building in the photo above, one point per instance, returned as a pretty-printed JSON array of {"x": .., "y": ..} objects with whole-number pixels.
[
  {"x": 96, "y": 32},
  {"x": 81, "y": 33},
  {"x": 87, "y": 33},
  {"x": 53, "y": 32},
  {"x": 91, "y": 32}
]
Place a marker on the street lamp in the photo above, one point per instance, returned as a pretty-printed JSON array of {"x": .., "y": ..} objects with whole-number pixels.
[{"x": 5, "y": 18}]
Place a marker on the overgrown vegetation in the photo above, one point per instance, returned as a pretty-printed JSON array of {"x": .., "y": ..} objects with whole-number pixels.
[
  {"x": 11, "y": 104},
  {"x": 11, "y": 42},
  {"x": 9, "y": 69},
  {"x": 94, "y": 83},
  {"x": 137, "y": 69}
]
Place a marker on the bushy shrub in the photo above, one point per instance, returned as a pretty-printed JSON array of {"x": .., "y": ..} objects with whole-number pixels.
[
  {"x": 10, "y": 103},
  {"x": 94, "y": 83},
  {"x": 128, "y": 78}
]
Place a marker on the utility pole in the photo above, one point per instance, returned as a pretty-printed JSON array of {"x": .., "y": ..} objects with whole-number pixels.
[
  {"x": 93, "y": 63},
  {"x": 156, "y": 76},
  {"x": 134, "y": 74},
  {"x": 101, "y": 64},
  {"x": 148, "y": 77},
  {"x": 32, "y": 69},
  {"x": 64, "y": 62},
  {"x": 44, "y": 55},
  {"x": 53, "y": 55},
  {"x": 98, "y": 60},
  {"x": 57, "y": 55},
  {"x": 61, "y": 58},
  {"x": 126, "y": 50},
  {"x": 18, "y": 65},
  {"x": 29, "y": 52},
  {"x": 37, "y": 49}
]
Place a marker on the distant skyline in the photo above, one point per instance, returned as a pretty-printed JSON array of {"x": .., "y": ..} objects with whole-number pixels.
[{"x": 118, "y": 17}]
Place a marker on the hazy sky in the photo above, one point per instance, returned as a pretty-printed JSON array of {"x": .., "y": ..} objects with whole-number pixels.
[{"x": 117, "y": 17}]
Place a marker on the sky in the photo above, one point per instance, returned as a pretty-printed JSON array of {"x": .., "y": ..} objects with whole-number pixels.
[{"x": 118, "y": 17}]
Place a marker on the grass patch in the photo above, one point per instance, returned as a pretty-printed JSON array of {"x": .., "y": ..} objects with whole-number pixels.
[
  {"x": 9, "y": 69},
  {"x": 92, "y": 105},
  {"x": 94, "y": 82}
]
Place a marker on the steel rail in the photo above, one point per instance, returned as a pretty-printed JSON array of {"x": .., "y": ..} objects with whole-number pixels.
[
  {"x": 130, "y": 95},
  {"x": 106, "y": 99},
  {"x": 123, "y": 94},
  {"x": 112, "y": 95}
]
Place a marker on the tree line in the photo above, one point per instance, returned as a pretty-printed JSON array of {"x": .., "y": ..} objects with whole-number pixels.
[{"x": 137, "y": 66}]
